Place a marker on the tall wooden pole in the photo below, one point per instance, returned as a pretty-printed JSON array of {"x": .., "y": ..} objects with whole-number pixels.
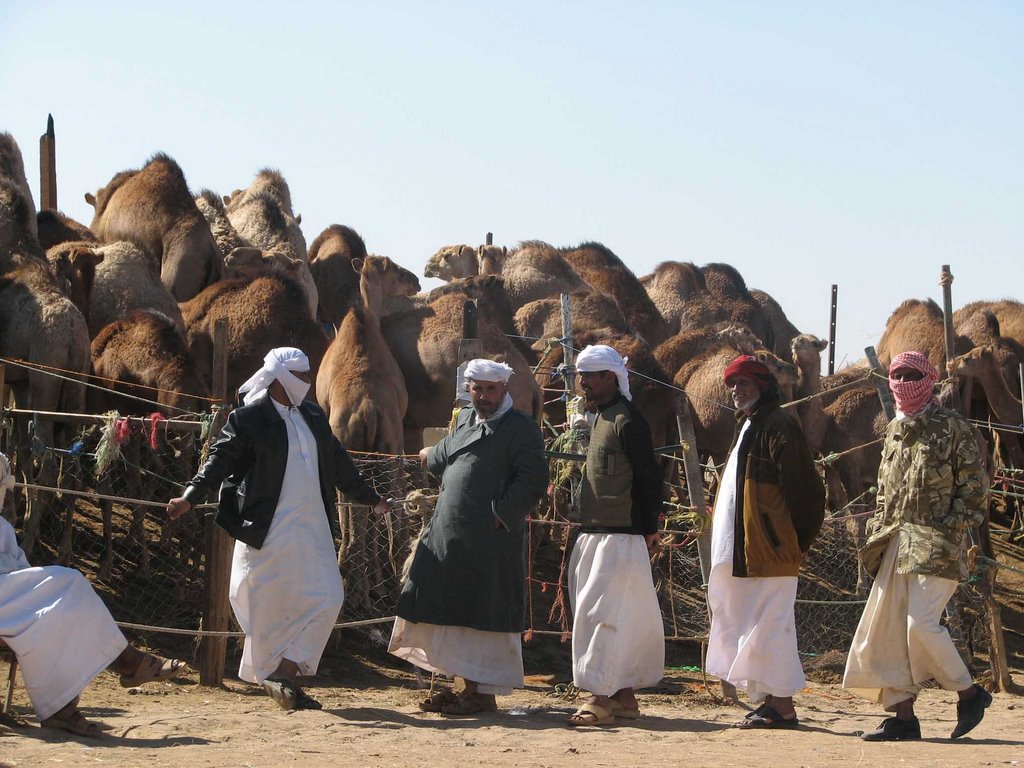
[
  {"x": 832, "y": 331},
  {"x": 490, "y": 238},
  {"x": 219, "y": 545},
  {"x": 946, "y": 280},
  {"x": 48, "y": 168},
  {"x": 882, "y": 386}
]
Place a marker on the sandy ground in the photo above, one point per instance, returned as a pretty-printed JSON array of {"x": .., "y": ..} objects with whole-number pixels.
[{"x": 182, "y": 724}]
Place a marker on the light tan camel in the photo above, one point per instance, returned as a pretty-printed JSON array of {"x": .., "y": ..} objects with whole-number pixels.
[
  {"x": 153, "y": 208},
  {"x": 671, "y": 285},
  {"x": 247, "y": 261},
  {"x": 806, "y": 356},
  {"x": 983, "y": 364},
  {"x": 263, "y": 215},
  {"x": 359, "y": 384},
  {"x": 211, "y": 205}
]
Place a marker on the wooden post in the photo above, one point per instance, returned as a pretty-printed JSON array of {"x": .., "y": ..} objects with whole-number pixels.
[
  {"x": 832, "y": 331},
  {"x": 219, "y": 545},
  {"x": 568, "y": 356},
  {"x": 48, "y": 168},
  {"x": 490, "y": 238},
  {"x": 883, "y": 388},
  {"x": 947, "y": 323}
]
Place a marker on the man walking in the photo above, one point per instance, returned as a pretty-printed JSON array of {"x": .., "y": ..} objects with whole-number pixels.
[
  {"x": 931, "y": 489},
  {"x": 463, "y": 606},
  {"x": 618, "y": 640},
  {"x": 769, "y": 508},
  {"x": 277, "y": 465}
]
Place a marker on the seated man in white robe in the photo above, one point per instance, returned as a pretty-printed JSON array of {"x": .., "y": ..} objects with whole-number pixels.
[
  {"x": 62, "y": 634},
  {"x": 768, "y": 511},
  {"x": 277, "y": 465},
  {"x": 463, "y": 604}
]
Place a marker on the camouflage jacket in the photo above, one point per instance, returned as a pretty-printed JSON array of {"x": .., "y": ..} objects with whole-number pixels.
[{"x": 931, "y": 488}]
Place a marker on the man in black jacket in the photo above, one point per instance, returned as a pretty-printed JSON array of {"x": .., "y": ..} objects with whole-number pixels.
[{"x": 277, "y": 464}]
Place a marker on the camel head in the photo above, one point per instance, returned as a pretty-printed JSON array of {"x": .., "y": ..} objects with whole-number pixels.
[
  {"x": 74, "y": 267},
  {"x": 452, "y": 263},
  {"x": 807, "y": 350},
  {"x": 491, "y": 259}
]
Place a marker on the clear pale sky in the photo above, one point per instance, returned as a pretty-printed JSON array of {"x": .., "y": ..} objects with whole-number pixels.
[{"x": 863, "y": 144}]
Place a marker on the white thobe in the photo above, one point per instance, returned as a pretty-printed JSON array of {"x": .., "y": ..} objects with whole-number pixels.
[
  {"x": 618, "y": 638},
  {"x": 287, "y": 595},
  {"x": 753, "y": 624},
  {"x": 899, "y": 643},
  {"x": 493, "y": 660},
  {"x": 60, "y": 630}
]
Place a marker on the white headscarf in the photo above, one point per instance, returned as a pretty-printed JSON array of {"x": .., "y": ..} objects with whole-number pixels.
[
  {"x": 278, "y": 364},
  {"x": 601, "y": 357},
  {"x": 487, "y": 370}
]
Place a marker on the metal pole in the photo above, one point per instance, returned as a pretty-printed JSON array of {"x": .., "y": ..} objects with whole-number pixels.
[
  {"x": 567, "y": 353},
  {"x": 490, "y": 238},
  {"x": 832, "y": 331}
]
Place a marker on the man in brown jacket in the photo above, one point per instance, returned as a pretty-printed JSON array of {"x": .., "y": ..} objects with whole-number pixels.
[{"x": 768, "y": 510}]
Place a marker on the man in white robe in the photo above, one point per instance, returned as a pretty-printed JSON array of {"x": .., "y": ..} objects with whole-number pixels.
[
  {"x": 62, "y": 634},
  {"x": 768, "y": 510},
  {"x": 277, "y": 464},
  {"x": 618, "y": 638},
  {"x": 462, "y": 607}
]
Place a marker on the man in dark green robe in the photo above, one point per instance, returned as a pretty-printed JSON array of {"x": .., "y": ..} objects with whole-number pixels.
[{"x": 463, "y": 605}]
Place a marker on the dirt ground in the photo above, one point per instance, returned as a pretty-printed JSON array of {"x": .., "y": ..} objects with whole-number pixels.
[{"x": 375, "y": 722}]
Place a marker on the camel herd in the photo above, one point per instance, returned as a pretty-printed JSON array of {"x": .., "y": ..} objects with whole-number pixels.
[{"x": 133, "y": 299}]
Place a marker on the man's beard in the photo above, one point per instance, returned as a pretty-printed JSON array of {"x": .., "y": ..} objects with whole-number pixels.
[
  {"x": 747, "y": 405},
  {"x": 484, "y": 410}
]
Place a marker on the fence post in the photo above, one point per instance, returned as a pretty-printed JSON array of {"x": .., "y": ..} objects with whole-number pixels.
[
  {"x": 48, "y": 168},
  {"x": 490, "y": 238},
  {"x": 469, "y": 345},
  {"x": 881, "y": 386},
  {"x": 832, "y": 331},
  {"x": 947, "y": 325},
  {"x": 213, "y": 650}
]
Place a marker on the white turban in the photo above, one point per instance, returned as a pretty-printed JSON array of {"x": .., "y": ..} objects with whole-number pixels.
[
  {"x": 601, "y": 357},
  {"x": 487, "y": 370},
  {"x": 278, "y": 364}
]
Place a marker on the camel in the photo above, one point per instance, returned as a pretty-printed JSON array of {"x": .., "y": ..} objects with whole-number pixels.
[
  {"x": 211, "y": 205},
  {"x": 917, "y": 325},
  {"x": 603, "y": 271},
  {"x": 56, "y": 228},
  {"x": 41, "y": 326},
  {"x": 783, "y": 332},
  {"x": 153, "y": 208},
  {"x": 425, "y": 341},
  {"x": 330, "y": 262},
  {"x": 670, "y": 286},
  {"x": 247, "y": 261},
  {"x": 268, "y": 310},
  {"x": 359, "y": 384},
  {"x": 17, "y": 242},
  {"x": 1008, "y": 312},
  {"x": 984, "y": 365},
  {"x": 142, "y": 356},
  {"x": 12, "y": 168},
  {"x": 74, "y": 268},
  {"x": 675, "y": 351},
  {"x": 725, "y": 298},
  {"x": 263, "y": 216},
  {"x": 806, "y": 356},
  {"x": 591, "y": 313},
  {"x": 125, "y": 279},
  {"x": 453, "y": 262}
]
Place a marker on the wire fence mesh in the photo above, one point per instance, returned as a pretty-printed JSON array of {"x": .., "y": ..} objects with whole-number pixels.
[{"x": 107, "y": 519}]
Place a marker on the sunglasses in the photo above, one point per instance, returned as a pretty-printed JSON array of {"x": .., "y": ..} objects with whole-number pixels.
[{"x": 906, "y": 375}]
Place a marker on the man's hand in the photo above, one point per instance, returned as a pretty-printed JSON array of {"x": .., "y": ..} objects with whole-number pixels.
[
  {"x": 653, "y": 541},
  {"x": 423, "y": 457},
  {"x": 178, "y": 507},
  {"x": 384, "y": 507}
]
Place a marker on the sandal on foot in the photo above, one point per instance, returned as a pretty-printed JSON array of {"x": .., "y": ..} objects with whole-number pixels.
[
  {"x": 75, "y": 723},
  {"x": 625, "y": 712},
  {"x": 283, "y": 692},
  {"x": 758, "y": 711},
  {"x": 304, "y": 701},
  {"x": 438, "y": 700},
  {"x": 152, "y": 668},
  {"x": 769, "y": 718},
  {"x": 471, "y": 704},
  {"x": 591, "y": 714}
]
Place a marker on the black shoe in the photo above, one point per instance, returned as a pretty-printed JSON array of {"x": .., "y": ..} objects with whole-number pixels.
[
  {"x": 970, "y": 711},
  {"x": 894, "y": 729}
]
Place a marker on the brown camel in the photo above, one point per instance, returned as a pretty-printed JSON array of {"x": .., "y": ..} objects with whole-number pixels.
[
  {"x": 263, "y": 215},
  {"x": 984, "y": 365},
  {"x": 783, "y": 332},
  {"x": 211, "y": 205},
  {"x": 267, "y": 311},
  {"x": 359, "y": 384},
  {"x": 248, "y": 260},
  {"x": 12, "y": 168},
  {"x": 677, "y": 350},
  {"x": 17, "y": 242},
  {"x": 330, "y": 262},
  {"x": 41, "y": 326},
  {"x": 142, "y": 356},
  {"x": 671, "y": 285},
  {"x": 56, "y": 228},
  {"x": 594, "y": 313},
  {"x": 425, "y": 343},
  {"x": 153, "y": 208},
  {"x": 725, "y": 297},
  {"x": 806, "y": 356},
  {"x": 74, "y": 267},
  {"x": 603, "y": 271},
  {"x": 453, "y": 262},
  {"x": 917, "y": 325},
  {"x": 1008, "y": 312}
]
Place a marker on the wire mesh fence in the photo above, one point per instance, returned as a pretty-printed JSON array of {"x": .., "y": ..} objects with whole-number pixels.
[{"x": 107, "y": 519}]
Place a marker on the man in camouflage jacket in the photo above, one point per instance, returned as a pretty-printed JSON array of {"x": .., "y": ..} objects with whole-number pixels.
[{"x": 932, "y": 487}]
